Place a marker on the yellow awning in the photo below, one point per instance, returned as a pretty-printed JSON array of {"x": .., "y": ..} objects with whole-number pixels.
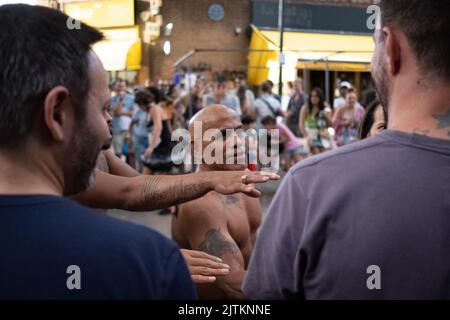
[
  {"x": 342, "y": 52},
  {"x": 122, "y": 49}
]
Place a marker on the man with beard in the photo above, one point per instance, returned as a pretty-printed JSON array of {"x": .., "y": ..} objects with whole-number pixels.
[
  {"x": 371, "y": 220},
  {"x": 53, "y": 124},
  {"x": 221, "y": 225}
]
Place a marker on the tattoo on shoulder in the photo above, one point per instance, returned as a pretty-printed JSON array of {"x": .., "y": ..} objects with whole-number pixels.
[
  {"x": 443, "y": 120},
  {"x": 216, "y": 244}
]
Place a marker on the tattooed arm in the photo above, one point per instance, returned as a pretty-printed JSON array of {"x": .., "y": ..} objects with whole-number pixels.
[
  {"x": 205, "y": 229},
  {"x": 147, "y": 193}
]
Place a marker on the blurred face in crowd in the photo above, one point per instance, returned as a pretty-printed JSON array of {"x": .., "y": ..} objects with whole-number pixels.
[
  {"x": 298, "y": 86},
  {"x": 220, "y": 89},
  {"x": 121, "y": 88},
  {"x": 343, "y": 91},
  {"x": 379, "y": 122},
  {"x": 270, "y": 126},
  {"x": 351, "y": 99},
  {"x": 315, "y": 99}
]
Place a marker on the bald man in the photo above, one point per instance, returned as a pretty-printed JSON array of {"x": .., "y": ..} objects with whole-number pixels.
[{"x": 221, "y": 225}]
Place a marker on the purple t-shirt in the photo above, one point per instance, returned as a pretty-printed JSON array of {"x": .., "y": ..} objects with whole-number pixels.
[{"x": 368, "y": 221}]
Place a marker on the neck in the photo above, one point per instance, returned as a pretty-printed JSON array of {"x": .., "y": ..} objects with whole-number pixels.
[
  {"x": 425, "y": 112},
  {"x": 26, "y": 174}
]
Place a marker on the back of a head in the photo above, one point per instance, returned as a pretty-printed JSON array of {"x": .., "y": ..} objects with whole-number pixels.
[
  {"x": 38, "y": 52},
  {"x": 266, "y": 87},
  {"x": 425, "y": 24}
]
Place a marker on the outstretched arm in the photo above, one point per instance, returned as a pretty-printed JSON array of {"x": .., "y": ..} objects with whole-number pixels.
[{"x": 147, "y": 193}]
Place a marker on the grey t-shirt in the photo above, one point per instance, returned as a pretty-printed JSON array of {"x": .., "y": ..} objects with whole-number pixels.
[{"x": 374, "y": 214}]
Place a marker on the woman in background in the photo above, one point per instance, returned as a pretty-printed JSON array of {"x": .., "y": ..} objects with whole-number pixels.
[
  {"x": 315, "y": 118},
  {"x": 374, "y": 122}
]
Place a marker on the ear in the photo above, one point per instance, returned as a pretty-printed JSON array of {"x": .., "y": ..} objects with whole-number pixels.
[
  {"x": 392, "y": 50},
  {"x": 57, "y": 112}
]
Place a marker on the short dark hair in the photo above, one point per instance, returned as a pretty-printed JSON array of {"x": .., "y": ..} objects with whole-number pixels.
[
  {"x": 246, "y": 120},
  {"x": 425, "y": 24},
  {"x": 268, "y": 120},
  {"x": 265, "y": 87},
  {"x": 38, "y": 52},
  {"x": 143, "y": 97}
]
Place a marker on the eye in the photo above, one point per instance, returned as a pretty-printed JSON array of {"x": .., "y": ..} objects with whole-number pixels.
[{"x": 382, "y": 126}]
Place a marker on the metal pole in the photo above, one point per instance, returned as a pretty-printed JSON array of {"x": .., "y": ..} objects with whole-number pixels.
[
  {"x": 327, "y": 81},
  {"x": 281, "y": 57}
]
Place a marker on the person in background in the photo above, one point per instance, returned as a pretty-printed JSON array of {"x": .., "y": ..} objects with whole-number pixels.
[
  {"x": 292, "y": 148},
  {"x": 266, "y": 105},
  {"x": 340, "y": 101},
  {"x": 374, "y": 121},
  {"x": 347, "y": 120},
  {"x": 271, "y": 85},
  {"x": 122, "y": 107},
  {"x": 296, "y": 102},
  {"x": 241, "y": 82},
  {"x": 160, "y": 147},
  {"x": 222, "y": 97},
  {"x": 314, "y": 120},
  {"x": 139, "y": 126}
]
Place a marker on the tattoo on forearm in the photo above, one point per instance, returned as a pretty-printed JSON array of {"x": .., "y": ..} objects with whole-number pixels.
[
  {"x": 159, "y": 194},
  {"x": 216, "y": 244}
]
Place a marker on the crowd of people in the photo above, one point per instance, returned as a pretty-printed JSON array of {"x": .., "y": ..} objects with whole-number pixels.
[
  {"x": 368, "y": 220},
  {"x": 144, "y": 118}
]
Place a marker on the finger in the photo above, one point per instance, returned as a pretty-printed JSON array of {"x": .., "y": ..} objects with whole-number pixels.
[
  {"x": 260, "y": 178},
  {"x": 204, "y": 271},
  {"x": 204, "y": 255},
  {"x": 202, "y": 279},
  {"x": 200, "y": 262},
  {"x": 251, "y": 191},
  {"x": 272, "y": 176}
]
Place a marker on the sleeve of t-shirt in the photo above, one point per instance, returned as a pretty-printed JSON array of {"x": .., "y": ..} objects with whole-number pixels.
[
  {"x": 180, "y": 286},
  {"x": 273, "y": 273}
]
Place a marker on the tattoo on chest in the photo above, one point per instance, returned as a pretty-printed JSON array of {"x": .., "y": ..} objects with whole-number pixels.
[
  {"x": 216, "y": 244},
  {"x": 227, "y": 200},
  {"x": 102, "y": 164}
]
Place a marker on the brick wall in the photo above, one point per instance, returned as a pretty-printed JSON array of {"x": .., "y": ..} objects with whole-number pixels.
[{"x": 193, "y": 29}]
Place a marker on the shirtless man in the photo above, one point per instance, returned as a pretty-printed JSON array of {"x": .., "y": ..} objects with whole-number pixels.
[
  {"x": 221, "y": 225},
  {"x": 119, "y": 186}
]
